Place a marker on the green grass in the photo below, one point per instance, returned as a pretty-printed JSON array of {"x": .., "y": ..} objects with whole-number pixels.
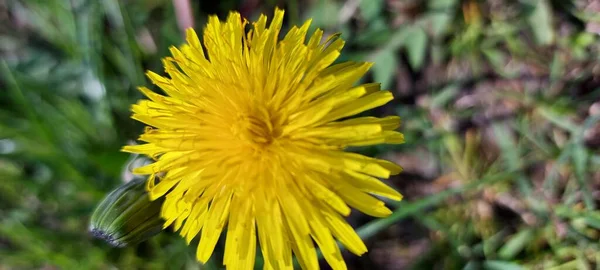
[{"x": 502, "y": 153}]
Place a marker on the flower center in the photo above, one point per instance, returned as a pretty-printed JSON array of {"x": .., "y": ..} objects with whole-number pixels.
[{"x": 256, "y": 128}]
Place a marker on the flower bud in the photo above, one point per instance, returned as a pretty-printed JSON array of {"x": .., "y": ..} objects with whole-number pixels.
[{"x": 127, "y": 216}]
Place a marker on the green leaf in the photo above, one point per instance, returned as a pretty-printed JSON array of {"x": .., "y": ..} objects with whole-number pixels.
[
  {"x": 585, "y": 39},
  {"x": 557, "y": 67},
  {"x": 501, "y": 265},
  {"x": 580, "y": 157},
  {"x": 439, "y": 22},
  {"x": 441, "y": 4},
  {"x": 511, "y": 154},
  {"x": 370, "y": 8},
  {"x": 592, "y": 219},
  {"x": 515, "y": 244},
  {"x": 398, "y": 38},
  {"x": 384, "y": 68},
  {"x": 472, "y": 265},
  {"x": 540, "y": 21},
  {"x": 377, "y": 33},
  {"x": 321, "y": 14},
  {"x": 416, "y": 46},
  {"x": 491, "y": 244},
  {"x": 496, "y": 57},
  {"x": 554, "y": 115},
  {"x": 444, "y": 96}
]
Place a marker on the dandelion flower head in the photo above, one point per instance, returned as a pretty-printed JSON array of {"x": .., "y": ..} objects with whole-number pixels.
[{"x": 249, "y": 138}]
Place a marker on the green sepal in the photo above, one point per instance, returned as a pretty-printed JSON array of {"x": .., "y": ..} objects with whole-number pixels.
[{"x": 126, "y": 215}]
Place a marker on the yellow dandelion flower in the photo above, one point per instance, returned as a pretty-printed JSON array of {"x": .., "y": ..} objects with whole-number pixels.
[{"x": 250, "y": 138}]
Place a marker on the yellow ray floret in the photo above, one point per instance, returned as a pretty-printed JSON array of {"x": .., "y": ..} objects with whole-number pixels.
[{"x": 249, "y": 140}]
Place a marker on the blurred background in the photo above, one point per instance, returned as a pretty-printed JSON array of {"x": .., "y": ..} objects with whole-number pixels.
[{"x": 500, "y": 102}]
